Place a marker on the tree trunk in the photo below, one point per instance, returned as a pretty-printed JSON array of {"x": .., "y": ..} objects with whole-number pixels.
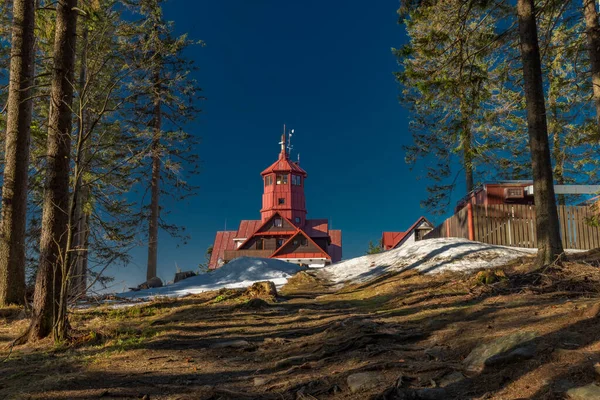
[
  {"x": 154, "y": 205},
  {"x": 547, "y": 228},
  {"x": 468, "y": 156},
  {"x": 14, "y": 190},
  {"x": 80, "y": 221},
  {"x": 47, "y": 315},
  {"x": 593, "y": 34}
]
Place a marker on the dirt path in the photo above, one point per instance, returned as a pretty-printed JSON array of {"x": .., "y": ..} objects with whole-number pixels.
[{"x": 399, "y": 337}]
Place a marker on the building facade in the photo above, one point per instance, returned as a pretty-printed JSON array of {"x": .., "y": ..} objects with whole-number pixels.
[{"x": 283, "y": 231}]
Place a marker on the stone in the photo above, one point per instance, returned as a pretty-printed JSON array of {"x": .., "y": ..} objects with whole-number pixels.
[
  {"x": 235, "y": 344},
  {"x": 436, "y": 353},
  {"x": 522, "y": 353},
  {"x": 179, "y": 276},
  {"x": 505, "y": 349},
  {"x": 364, "y": 381},
  {"x": 589, "y": 392},
  {"x": 262, "y": 289},
  {"x": 452, "y": 378},
  {"x": 149, "y": 284},
  {"x": 260, "y": 381}
]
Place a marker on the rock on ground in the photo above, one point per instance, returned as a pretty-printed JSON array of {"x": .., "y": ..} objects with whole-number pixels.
[
  {"x": 505, "y": 349},
  {"x": 262, "y": 289},
  {"x": 364, "y": 381}
]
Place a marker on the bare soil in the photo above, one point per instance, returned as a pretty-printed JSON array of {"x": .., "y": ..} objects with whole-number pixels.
[{"x": 413, "y": 331}]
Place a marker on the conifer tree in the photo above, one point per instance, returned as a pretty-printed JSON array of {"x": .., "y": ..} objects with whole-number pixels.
[
  {"x": 547, "y": 228},
  {"x": 47, "y": 315},
  {"x": 14, "y": 188},
  {"x": 165, "y": 99}
]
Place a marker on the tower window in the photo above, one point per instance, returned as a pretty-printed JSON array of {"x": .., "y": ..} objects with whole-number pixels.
[
  {"x": 278, "y": 223},
  {"x": 268, "y": 180},
  {"x": 282, "y": 179},
  {"x": 281, "y": 201},
  {"x": 296, "y": 180}
]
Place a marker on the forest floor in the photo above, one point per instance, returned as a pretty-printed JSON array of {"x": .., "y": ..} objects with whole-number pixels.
[{"x": 522, "y": 335}]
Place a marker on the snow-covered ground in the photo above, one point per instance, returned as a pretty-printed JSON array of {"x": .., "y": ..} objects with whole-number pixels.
[
  {"x": 427, "y": 256},
  {"x": 239, "y": 273}
]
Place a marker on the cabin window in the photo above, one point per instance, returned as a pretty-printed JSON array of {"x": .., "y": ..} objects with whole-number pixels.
[
  {"x": 260, "y": 244},
  {"x": 278, "y": 223},
  {"x": 268, "y": 180},
  {"x": 281, "y": 201},
  {"x": 279, "y": 243},
  {"x": 295, "y": 242},
  {"x": 282, "y": 179},
  {"x": 296, "y": 180}
]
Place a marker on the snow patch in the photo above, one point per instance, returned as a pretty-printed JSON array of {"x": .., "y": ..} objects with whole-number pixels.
[
  {"x": 429, "y": 256},
  {"x": 239, "y": 273}
]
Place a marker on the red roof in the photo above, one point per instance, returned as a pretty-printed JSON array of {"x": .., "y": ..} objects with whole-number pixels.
[
  {"x": 247, "y": 228},
  {"x": 316, "y": 228},
  {"x": 223, "y": 241},
  {"x": 391, "y": 239},
  {"x": 335, "y": 248},
  {"x": 322, "y": 254},
  {"x": 283, "y": 164}
]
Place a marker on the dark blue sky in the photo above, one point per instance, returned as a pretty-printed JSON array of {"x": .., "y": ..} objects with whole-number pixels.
[{"x": 324, "y": 68}]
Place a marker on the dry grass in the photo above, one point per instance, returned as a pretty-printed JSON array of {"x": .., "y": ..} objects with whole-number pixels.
[{"x": 305, "y": 344}]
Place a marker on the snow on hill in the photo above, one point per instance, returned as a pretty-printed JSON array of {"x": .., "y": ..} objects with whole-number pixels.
[
  {"x": 239, "y": 273},
  {"x": 427, "y": 256}
]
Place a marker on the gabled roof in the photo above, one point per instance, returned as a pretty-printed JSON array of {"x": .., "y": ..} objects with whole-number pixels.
[
  {"x": 247, "y": 228},
  {"x": 389, "y": 240},
  {"x": 321, "y": 253},
  {"x": 223, "y": 241},
  {"x": 276, "y": 213},
  {"x": 316, "y": 228},
  {"x": 396, "y": 238}
]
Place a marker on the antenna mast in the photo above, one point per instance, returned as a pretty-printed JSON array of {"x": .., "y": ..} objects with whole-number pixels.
[{"x": 289, "y": 144}]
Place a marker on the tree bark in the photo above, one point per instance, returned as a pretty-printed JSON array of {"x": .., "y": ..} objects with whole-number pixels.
[
  {"x": 547, "y": 227},
  {"x": 80, "y": 221},
  {"x": 18, "y": 126},
  {"x": 593, "y": 34},
  {"x": 154, "y": 203},
  {"x": 47, "y": 315}
]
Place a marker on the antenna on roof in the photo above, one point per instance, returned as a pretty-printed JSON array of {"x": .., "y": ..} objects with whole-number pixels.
[
  {"x": 298, "y": 158},
  {"x": 289, "y": 144}
]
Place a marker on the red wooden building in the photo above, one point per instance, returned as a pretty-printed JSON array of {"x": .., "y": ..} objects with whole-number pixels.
[{"x": 283, "y": 231}]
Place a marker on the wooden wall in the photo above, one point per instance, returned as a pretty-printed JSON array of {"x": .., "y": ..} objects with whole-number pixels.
[{"x": 514, "y": 225}]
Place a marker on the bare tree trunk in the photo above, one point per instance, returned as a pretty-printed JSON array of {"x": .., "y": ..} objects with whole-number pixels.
[
  {"x": 593, "y": 34},
  {"x": 468, "y": 156},
  {"x": 154, "y": 203},
  {"x": 547, "y": 228},
  {"x": 79, "y": 224},
  {"x": 14, "y": 190},
  {"x": 47, "y": 315}
]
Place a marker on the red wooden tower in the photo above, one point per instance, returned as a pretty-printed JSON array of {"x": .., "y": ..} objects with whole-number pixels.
[
  {"x": 283, "y": 231},
  {"x": 284, "y": 189}
]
